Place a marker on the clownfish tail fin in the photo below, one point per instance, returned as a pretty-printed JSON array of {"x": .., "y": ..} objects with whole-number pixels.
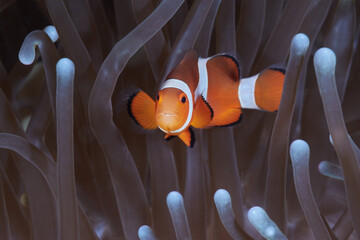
[
  {"x": 141, "y": 108},
  {"x": 268, "y": 88}
]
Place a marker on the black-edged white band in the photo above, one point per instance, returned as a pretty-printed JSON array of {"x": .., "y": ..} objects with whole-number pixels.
[{"x": 202, "y": 87}]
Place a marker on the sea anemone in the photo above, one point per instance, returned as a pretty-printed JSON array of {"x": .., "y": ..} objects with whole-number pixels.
[{"x": 74, "y": 166}]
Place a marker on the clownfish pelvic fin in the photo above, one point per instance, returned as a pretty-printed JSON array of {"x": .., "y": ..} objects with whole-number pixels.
[
  {"x": 141, "y": 108},
  {"x": 188, "y": 137},
  {"x": 168, "y": 137}
]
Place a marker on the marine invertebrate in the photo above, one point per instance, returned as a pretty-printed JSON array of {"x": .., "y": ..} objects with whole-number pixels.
[{"x": 122, "y": 176}]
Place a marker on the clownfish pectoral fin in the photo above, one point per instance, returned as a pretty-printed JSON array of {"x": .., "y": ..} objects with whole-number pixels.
[
  {"x": 188, "y": 137},
  {"x": 203, "y": 113},
  {"x": 141, "y": 109},
  {"x": 228, "y": 118},
  {"x": 268, "y": 88},
  {"x": 168, "y": 137}
]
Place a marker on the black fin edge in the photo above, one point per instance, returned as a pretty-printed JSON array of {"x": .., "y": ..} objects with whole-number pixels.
[
  {"x": 170, "y": 137},
  {"x": 207, "y": 104},
  {"x": 231, "y": 124},
  {"x": 282, "y": 70},
  {"x": 131, "y": 98},
  {"x": 192, "y": 137},
  {"x": 233, "y": 58}
]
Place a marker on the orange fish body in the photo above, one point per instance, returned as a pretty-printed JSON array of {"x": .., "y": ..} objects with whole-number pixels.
[{"x": 205, "y": 92}]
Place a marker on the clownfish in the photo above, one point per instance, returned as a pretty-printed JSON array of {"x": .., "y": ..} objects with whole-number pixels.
[{"x": 203, "y": 93}]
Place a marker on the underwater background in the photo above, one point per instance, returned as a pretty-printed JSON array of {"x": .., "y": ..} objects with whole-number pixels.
[{"x": 74, "y": 166}]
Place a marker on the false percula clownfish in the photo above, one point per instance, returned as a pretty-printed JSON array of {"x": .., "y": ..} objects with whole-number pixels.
[{"x": 205, "y": 92}]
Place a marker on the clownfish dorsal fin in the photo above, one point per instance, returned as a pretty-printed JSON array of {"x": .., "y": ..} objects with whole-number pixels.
[
  {"x": 188, "y": 137},
  {"x": 225, "y": 64},
  {"x": 203, "y": 113},
  {"x": 268, "y": 88},
  {"x": 187, "y": 68},
  {"x": 192, "y": 56},
  {"x": 141, "y": 108}
]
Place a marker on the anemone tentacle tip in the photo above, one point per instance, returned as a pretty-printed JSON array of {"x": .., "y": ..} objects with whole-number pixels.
[
  {"x": 331, "y": 170},
  {"x": 299, "y": 145},
  {"x": 64, "y": 64},
  {"x": 65, "y": 68},
  {"x": 300, "y": 43},
  {"x": 255, "y": 213},
  {"x": 26, "y": 57},
  {"x": 299, "y": 150},
  {"x": 174, "y": 198},
  {"x": 145, "y": 232},
  {"x": 324, "y": 61},
  {"x": 263, "y": 224},
  {"x": 52, "y": 33},
  {"x": 323, "y": 166},
  {"x": 222, "y": 197}
]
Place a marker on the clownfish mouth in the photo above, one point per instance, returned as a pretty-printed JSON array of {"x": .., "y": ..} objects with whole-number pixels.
[
  {"x": 168, "y": 115},
  {"x": 167, "y": 121},
  {"x": 168, "y": 118}
]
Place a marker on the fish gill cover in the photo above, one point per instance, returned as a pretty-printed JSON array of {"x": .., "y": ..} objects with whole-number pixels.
[{"x": 74, "y": 166}]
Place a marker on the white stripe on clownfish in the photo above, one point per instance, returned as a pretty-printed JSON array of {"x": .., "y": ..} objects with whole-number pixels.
[
  {"x": 202, "y": 87},
  {"x": 246, "y": 92},
  {"x": 181, "y": 85}
]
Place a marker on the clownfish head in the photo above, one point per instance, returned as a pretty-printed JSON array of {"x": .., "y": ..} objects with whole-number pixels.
[{"x": 172, "y": 110}]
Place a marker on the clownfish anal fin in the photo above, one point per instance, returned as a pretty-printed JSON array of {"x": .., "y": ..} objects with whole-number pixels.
[
  {"x": 188, "y": 137},
  {"x": 141, "y": 108},
  {"x": 268, "y": 88},
  {"x": 203, "y": 113},
  {"x": 228, "y": 118}
]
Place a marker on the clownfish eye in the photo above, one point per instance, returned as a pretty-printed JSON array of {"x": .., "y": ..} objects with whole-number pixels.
[
  {"x": 183, "y": 99},
  {"x": 157, "y": 97}
]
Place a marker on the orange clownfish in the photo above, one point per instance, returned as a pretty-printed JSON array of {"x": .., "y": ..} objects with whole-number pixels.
[{"x": 205, "y": 92}]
